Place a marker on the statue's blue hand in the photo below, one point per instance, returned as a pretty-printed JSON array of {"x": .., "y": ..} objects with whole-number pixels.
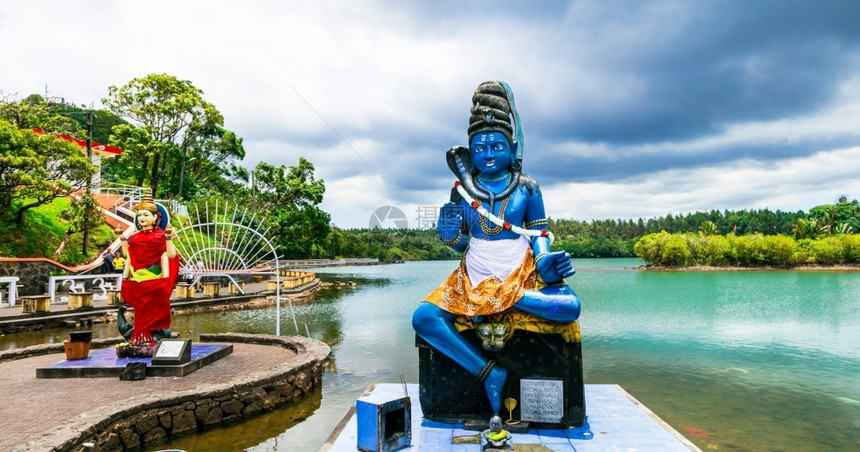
[
  {"x": 450, "y": 221},
  {"x": 554, "y": 267}
]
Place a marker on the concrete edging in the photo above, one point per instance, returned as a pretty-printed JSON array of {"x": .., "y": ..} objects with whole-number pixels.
[{"x": 153, "y": 418}]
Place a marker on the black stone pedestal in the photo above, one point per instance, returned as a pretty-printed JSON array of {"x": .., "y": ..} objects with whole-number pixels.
[{"x": 450, "y": 394}]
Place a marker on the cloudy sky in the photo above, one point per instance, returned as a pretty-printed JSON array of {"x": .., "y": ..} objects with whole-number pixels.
[{"x": 631, "y": 109}]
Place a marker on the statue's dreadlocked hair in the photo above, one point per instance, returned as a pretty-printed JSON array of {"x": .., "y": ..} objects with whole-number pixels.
[
  {"x": 491, "y": 111},
  {"x": 494, "y": 110}
]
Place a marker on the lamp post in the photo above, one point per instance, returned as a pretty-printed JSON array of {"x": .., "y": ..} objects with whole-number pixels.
[
  {"x": 89, "y": 179},
  {"x": 90, "y": 148}
]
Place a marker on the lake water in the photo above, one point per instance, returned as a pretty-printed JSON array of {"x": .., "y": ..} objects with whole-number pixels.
[{"x": 760, "y": 361}]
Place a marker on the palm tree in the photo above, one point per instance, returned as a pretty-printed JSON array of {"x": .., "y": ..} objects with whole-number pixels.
[
  {"x": 843, "y": 228},
  {"x": 708, "y": 227},
  {"x": 809, "y": 229}
]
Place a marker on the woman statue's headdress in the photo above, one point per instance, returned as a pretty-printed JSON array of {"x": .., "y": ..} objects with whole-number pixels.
[
  {"x": 162, "y": 218},
  {"x": 147, "y": 203}
]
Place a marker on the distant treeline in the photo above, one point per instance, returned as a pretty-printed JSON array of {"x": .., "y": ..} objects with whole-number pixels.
[
  {"x": 617, "y": 238},
  {"x": 388, "y": 245}
]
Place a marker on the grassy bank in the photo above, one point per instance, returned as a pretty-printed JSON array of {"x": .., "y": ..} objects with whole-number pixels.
[{"x": 42, "y": 232}]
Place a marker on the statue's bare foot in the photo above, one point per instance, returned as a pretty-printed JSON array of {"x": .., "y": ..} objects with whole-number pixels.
[{"x": 494, "y": 384}]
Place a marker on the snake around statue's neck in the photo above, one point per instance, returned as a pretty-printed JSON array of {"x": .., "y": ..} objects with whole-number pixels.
[{"x": 457, "y": 157}]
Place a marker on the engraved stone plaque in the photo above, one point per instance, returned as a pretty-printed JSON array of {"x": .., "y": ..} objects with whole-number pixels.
[
  {"x": 541, "y": 400},
  {"x": 172, "y": 352}
]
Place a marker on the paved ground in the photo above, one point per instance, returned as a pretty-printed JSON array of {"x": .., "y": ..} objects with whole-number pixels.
[{"x": 31, "y": 406}]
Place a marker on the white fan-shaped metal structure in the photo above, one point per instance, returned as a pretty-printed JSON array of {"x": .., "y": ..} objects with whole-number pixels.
[{"x": 223, "y": 241}]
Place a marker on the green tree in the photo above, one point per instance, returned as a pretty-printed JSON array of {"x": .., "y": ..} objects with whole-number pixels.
[
  {"x": 83, "y": 215},
  {"x": 33, "y": 112},
  {"x": 663, "y": 249},
  {"x": 708, "y": 227},
  {"x": 851, "y": 247},
  {"x": 843, "y": 229},
  {"x": 36, "y": 169},
  {"x": 290, "y": 196},
  {"x": 832, "y": 215},
  {"x": 716, "y": 250},
  {"x": 103, "y": 121},
  {"x": 827, "y": 251},
  {"x": 808, "y": 229},
  {"x": 779, "y": 250},
  {"x": 170, "y": 125}
]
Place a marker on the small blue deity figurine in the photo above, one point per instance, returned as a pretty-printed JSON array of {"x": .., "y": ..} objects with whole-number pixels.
[{"x": 496, "y": 215}]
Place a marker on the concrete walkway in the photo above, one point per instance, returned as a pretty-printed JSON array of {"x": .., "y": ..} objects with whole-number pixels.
[
  {"x": 30, "y": 406},
  {"x": 45, "y": 413}
]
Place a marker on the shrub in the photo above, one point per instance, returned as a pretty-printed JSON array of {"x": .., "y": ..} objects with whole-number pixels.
[
  {"x": 752, "y": 250},
  {"x": 675, "y": 252},
  {"x": 717, "y": 251},
  {"x": 647, "y": 248},
  {"x": 696, "y": 245},
  {"x": 663, "y": 249},
  {"x": 851, "y": 248},
  {"x": 749, "y": 250},
  {"x": 779, "y": 250},
  {"x": 827, "y": 251}
]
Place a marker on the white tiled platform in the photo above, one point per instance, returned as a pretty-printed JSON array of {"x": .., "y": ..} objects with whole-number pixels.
[{"x": 616, "y": 422}]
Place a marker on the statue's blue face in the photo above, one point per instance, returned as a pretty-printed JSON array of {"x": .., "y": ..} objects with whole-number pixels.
[{"x": 491, "y": 154}]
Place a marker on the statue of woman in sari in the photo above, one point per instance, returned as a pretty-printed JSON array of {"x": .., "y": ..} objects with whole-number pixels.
[{"x": 149, "y": 275}]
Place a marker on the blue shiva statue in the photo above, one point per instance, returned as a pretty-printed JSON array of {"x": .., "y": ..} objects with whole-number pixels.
[{"x": 496, "y": 215}]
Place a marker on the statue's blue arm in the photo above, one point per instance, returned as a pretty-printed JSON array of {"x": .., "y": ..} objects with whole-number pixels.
[{"x": 552, "y": 267}]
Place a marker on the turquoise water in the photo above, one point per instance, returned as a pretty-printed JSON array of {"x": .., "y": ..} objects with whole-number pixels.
[{"x": 759, "y": 361}]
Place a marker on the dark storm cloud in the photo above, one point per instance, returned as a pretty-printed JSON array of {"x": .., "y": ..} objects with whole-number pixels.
[
  {"x": 688, "y": 71},
  {"x": 723, "y": 63},
  {"x": 639, "y": 79},
  {"x": 561, "y": 168}
]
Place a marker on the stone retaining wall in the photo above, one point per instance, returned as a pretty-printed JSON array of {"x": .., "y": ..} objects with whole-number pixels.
[
  {"x": 153, "y": 418},
  {"x": 33, "y": 274}
]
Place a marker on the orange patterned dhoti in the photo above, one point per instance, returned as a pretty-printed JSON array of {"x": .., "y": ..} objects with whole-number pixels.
[{"x": 491, "y": 296}]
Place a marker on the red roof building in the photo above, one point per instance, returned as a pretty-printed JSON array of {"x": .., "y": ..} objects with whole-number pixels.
[{"x": 100, "y": 151}]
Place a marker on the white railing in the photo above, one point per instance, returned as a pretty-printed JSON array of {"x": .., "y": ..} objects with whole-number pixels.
[
  {"x": 132, "y": 194},
  {"x": 126, "y": 193},
  {"x": 174, "y": 206},
  {"x": 98, "y": 282},
  {"x": 13, "y": 288}
]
